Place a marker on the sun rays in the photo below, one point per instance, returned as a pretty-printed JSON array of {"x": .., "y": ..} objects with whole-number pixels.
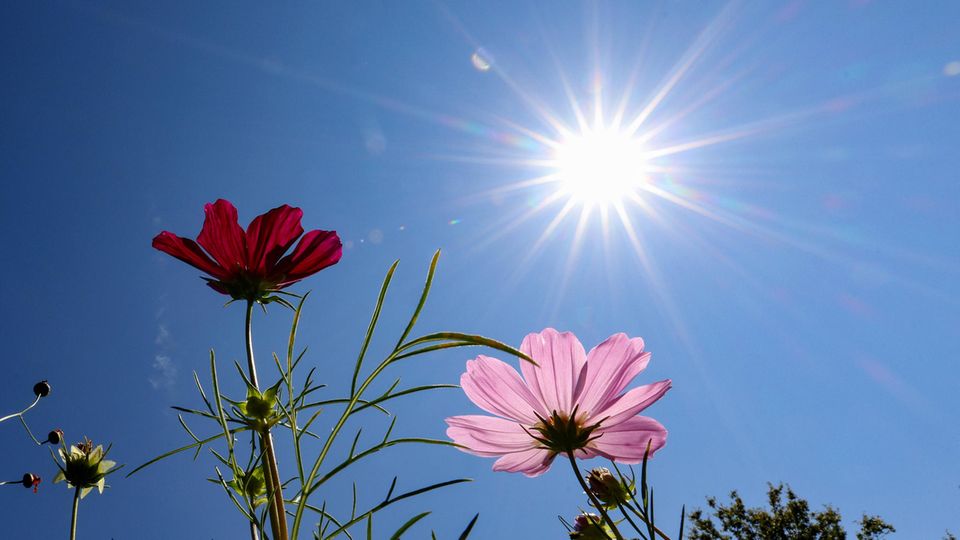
[{"x": 600, "y": 166}]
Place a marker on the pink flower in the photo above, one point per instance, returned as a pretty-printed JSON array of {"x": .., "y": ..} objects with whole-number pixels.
[
  {"x": 247, "y": 265},
  {"x": 571, "y": 402}
]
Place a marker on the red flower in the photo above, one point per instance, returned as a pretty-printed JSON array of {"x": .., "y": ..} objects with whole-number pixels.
[{"x": 247, "y": 265}]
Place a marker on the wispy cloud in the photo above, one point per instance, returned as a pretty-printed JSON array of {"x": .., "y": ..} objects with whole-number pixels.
[
  {"x": 164, "y": 372},
  {"x": 163, "y": 335}
]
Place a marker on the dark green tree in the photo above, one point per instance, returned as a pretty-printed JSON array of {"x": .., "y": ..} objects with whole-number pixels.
[{"x": 788, "y": 518}]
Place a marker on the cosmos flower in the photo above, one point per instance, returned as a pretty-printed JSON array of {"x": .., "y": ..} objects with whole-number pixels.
[
  {"x": 247, "y": 265},
  {"x": 570, "y": 402},
  {"x": 84, "y": 467}
]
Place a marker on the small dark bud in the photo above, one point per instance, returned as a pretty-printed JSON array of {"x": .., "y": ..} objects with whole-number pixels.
[
  {"x": 31, "y": 481},
  {"x": 41, "y": 389},
  {"x": 590, "y": 527},
  {"x": 55, "y": 436},
  {"x": 584, "y": 521}
]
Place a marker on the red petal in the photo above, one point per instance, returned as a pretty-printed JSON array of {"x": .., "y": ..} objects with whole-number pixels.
[
  {"x": 270, "y": 235},
  {"x": 187, "y": 251},
  {"x": 316, "y": 251},
  {"x": 222, "y": 236}
]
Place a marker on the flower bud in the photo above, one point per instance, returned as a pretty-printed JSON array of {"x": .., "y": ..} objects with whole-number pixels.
[
  {"x": 31, "y": 480},
  {"x": 590, "y": 527},
  {"x": 41, "y": 389},
  {"x": 260, "y": 407},
  {"x": 54, "y": 437},
  {"x": 607, "y": 487},
  {"x": 252, "y": 484}
]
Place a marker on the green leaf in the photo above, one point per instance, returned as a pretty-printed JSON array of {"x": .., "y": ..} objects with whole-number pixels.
[
  {"x": 184, "y": 448},
  {"x": 683, "y": 515},
  {"x": 471, "y": 339},
  {"x": 410, "y": 522},
  {"x": 342, "y": 528},
  {"x": 370, "y": 451},
  {"x": 373, "y": 324},
  {"x": 423, "y": 299},
  {"x": 466, "y": 532}
]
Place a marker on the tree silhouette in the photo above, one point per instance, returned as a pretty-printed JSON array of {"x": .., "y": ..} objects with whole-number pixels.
[{"x": 788, "y": 518}]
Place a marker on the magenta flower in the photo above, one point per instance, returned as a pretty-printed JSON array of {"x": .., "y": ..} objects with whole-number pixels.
[
  {"x": 247, "y": 265},
  {"x": 570, "y": 402}
]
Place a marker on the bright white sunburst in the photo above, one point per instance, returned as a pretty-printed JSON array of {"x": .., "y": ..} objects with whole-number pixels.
[{"x": 600, "y": 167}]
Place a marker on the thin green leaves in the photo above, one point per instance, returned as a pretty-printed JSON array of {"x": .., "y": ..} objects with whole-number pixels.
[
  {"x": 373, "y": 324},
  {"x": 404, "y": 348},
  {"x": 410, "y": 522},
  {"x": 423, "y": 299},
  {"x": 466, "y": 532}
]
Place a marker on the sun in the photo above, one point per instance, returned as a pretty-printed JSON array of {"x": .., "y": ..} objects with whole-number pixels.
[{"x": 600, "y": 167}]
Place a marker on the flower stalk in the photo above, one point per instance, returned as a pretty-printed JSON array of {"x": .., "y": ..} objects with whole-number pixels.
[
  {"x": 278, "y": 518},
  {"x": 73, "y": 517}
]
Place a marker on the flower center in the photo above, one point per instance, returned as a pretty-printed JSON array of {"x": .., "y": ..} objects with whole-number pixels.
[{"x": 563, "y": 433}]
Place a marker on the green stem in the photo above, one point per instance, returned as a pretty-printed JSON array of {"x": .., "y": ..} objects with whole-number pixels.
[
  {"x": 643, "y": 518},
  {"x": 251, "y": 364},
  {"x": 278, "y": 518},
  {"x": 73, "y": 518},
  {"x": 593, "y": 498},
  {"x": 626, "y": 516}
]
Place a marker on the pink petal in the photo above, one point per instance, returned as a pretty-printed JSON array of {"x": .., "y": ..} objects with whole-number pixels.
[
  {"x": 631, "y": 403},
  {"x": 560, "y": 358},
  {"x": 222, "y": 236},
  {"x": 270, "y": 235},
  {"x": 497, "y": 388},
  {"x": 610, "y": 367},
  {"x": 316, "y": 251},
  {"x": 189, "y": 252},
  {"x": 533, "y": 462},
  {"x": 626, "y": 442},
  {"x": 488, "y": 436}
]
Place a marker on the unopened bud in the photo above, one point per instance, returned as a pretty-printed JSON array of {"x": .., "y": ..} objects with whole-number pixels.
[
  {"x": 590, "y": 527},
  {"x": 609, "y": 489},
  {"x": 41, "y": 389},
  {"x": 31, "y": 480},
  {"x": 54, "y": 437}
]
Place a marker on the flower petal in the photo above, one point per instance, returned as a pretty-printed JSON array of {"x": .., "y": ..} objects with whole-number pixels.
[
  {"x": 189, "y": 252},
  {"x": 316, "y": 251},
  {"x": 631, "y": 403},
  {"x": 533, "y": 462},
  {"x": 560, "y": 358},
  {"x": 610, "y": 367},
  {"x": 488, "y": 436},
  {"x": 222, "y": 236},
  {"x": 497, "y": 388},
  {"x": 626, "y": 442},
  {"x": 218, "y": 286},
  {"x": 270, "y": 235}
]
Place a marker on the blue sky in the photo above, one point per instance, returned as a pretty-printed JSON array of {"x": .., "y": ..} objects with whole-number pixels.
[{"x": 791, "y": 261}]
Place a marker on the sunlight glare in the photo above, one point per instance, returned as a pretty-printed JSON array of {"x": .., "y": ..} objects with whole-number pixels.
[{"x": 601, "y": 167}]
